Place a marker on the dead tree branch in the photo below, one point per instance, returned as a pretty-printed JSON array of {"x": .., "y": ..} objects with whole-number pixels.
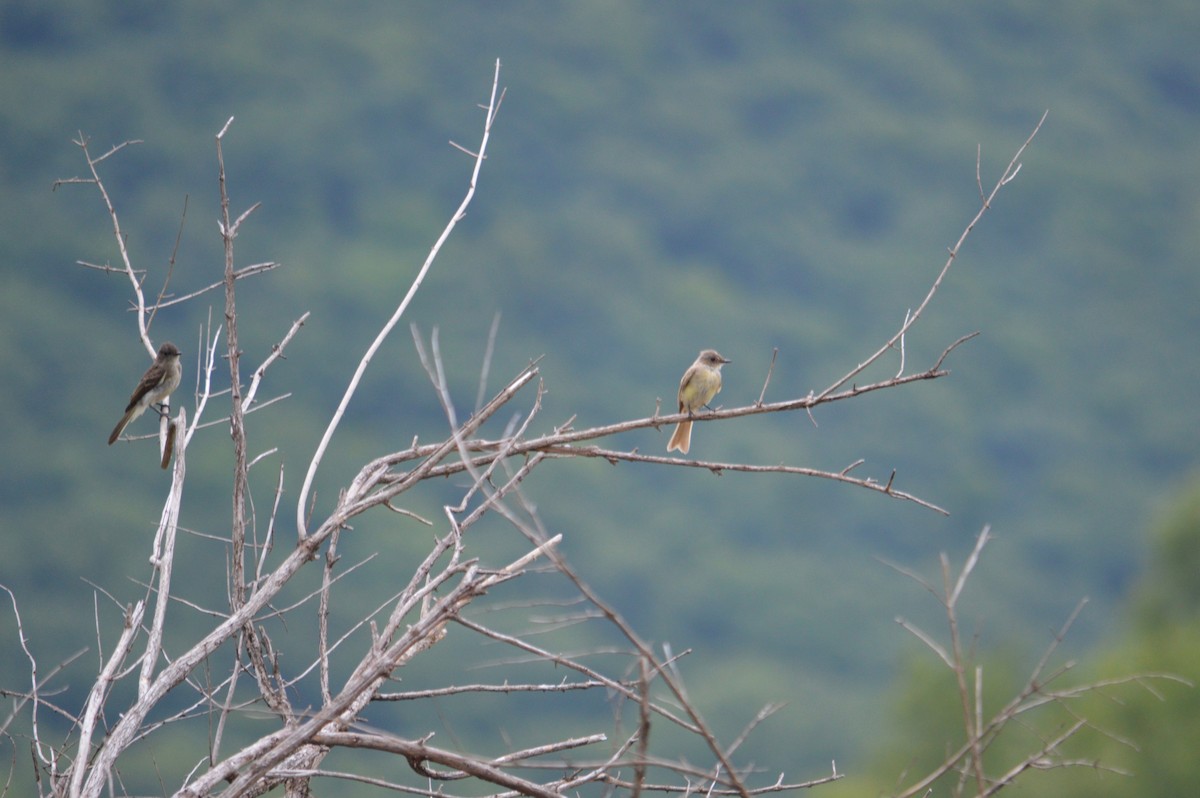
[{"x": 313, "y": 701}]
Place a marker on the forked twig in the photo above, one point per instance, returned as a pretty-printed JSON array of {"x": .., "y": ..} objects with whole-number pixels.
[
  {"x": 492, "y": 109},
  {"x": 1010, "y": 172}
]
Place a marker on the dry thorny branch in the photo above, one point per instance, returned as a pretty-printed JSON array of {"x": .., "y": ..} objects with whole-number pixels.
[
  {"x": 966, "y": 765},
  {"x": 236, "y": 670}
]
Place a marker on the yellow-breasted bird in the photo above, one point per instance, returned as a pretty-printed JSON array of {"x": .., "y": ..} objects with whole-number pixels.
[{"x": 700, "y": 383}]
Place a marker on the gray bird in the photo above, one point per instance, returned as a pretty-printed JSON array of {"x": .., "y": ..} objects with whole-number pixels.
[{"x": 156, "y": 385}]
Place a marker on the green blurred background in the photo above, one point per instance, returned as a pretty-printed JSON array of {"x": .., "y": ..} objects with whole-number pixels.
[{"x": 662, "y": 178}]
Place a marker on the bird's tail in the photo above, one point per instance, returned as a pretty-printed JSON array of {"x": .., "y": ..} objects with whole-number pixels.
[
  {"x": 130, "y": 415},
  {"x": 681, "y": 438}
]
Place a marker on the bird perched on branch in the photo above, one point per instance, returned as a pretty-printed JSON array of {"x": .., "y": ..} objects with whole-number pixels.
[
  {"x": 699, "y": 385},
  {"x": 156, "y": 385}
]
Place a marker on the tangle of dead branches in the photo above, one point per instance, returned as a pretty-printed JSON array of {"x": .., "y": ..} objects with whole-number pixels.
[{"x": 266, "y": 714}]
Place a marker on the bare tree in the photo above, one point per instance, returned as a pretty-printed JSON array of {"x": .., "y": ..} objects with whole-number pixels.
[{"x": 237, "y": 671}]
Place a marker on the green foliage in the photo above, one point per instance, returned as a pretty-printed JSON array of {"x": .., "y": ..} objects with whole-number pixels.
[
  {"x": 1154, "y": 727},
  {"x": 1170, "y": 598},
  {"x": 927, "y": 725},
  {"x": 1141, "y": 734}
]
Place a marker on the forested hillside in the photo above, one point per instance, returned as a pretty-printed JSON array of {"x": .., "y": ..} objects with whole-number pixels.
[{"x": 662, "y": 178}]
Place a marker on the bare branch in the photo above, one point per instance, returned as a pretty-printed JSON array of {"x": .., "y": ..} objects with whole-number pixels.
[
  {"x": 980, "y": 731},
  {"x": 238, "y": 274},
  {"x": 95, "y": 702},
  {"x": 767, "y": 379},
  {"x": 1010, "y": 172},
  {"x": 489, "y": 118}
]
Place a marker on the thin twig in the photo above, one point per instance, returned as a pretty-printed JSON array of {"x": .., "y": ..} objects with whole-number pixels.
[
  {"x": 1009, "y": 173},
  {"x": 489, "y": 117},
  {"x": 767, "y": 379},
  {"x": 487, "y": 360}
]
